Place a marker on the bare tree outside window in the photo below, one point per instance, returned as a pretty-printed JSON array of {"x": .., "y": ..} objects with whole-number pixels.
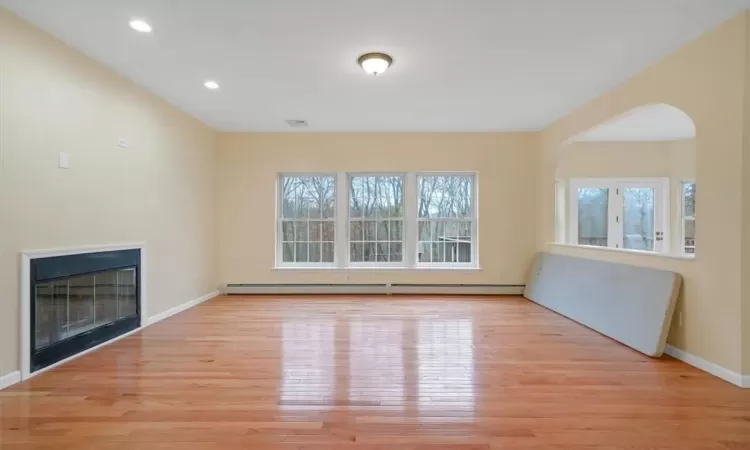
[
  {"x": 688, "y": 217},
  {"x": 307, "y": 222},
  {"x": 638, "y": 219},
  {"x": 593, "y": 216},
  {"x": 445, "y": 218},
  {"x": 376, "y": 218}
]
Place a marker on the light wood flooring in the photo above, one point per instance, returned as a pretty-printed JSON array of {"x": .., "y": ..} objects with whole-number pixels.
[{"x": 396, "y": 373}]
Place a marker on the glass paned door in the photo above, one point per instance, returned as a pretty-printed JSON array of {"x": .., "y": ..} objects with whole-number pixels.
[
  {"x": 641, "y": 218},
  {"x": 638, "y": 226},
  {"x": 620, "y": 213},
  {"x": 593, "y": 216}
]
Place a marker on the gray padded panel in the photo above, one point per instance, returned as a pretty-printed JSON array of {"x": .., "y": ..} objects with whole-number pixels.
[{"x": 633, "y": 305}]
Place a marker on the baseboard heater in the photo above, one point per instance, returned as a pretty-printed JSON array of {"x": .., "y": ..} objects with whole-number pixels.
[{"x": 373, "y": 289}]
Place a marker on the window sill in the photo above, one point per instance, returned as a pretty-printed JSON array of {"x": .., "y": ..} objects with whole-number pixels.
[
  {"x": 305, "y": 268},
  {"x": 379, "y": 269},
  {"x": 624, "y": 250}
]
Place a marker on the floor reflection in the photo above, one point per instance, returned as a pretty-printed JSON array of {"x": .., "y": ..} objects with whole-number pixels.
[
  {"x": 423, "y": 365},
  {"x": 446, "y": 365},
  {"x": 308, "y": 363},
  {"x": 376, "y": 364}
]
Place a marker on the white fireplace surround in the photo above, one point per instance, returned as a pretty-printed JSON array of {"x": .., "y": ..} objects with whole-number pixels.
[{"x": 26, "y": 258}]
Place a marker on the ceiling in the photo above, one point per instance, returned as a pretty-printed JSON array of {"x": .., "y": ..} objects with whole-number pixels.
[
  {"x": 471, "y": 65},
  {"x": 657, "y": 122}
]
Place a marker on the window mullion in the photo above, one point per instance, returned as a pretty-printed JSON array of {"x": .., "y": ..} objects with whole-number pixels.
[
  {"x": 615, "y": 206},
  {"x": 341, "y": 244},
  {"x": 665, "y": 211},
  {"x": 409, "y": 247},
  {"x": 474, "y": 225},
  {"x": 279, "y": 221},
  {"x": 573, "y": 213}
]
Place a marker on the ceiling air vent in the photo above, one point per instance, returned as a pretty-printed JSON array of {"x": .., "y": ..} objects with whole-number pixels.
[{"x": 296, "y": 123}]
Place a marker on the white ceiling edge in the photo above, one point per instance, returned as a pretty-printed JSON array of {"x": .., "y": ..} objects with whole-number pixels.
[{"x": 653, "y": 122}]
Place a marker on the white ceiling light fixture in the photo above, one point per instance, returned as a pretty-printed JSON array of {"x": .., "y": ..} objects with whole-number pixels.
[
  {"x": 140, "y": 26},
  {"x": 375, "y": 63},
  {"x": 210, "y": 84}
]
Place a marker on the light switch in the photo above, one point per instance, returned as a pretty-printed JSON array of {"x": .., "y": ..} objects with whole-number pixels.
[
  {"x": 64, "y": 160},
  {"x": 122, "y": 143}
]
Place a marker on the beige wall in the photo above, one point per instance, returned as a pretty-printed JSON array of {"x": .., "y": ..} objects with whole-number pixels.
[
  {"x": 674, "y": 160},
  {"x": 671, "y": 159},
  {"x": 159, "y": 191},
  {"x": 248, "y": 164},
  {"x": 746, "y": 210},
  {"x": 705, "y": 79}
]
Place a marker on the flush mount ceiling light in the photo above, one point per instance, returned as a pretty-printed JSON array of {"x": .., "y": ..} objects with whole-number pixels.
[
  {"x": 140, "y": 26},
  {"x": 210, "y": 84},
  {"x": 375, "y": 63}
]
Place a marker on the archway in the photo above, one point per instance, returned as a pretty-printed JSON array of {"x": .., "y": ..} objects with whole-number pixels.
[{"x": 629, "y": 183}]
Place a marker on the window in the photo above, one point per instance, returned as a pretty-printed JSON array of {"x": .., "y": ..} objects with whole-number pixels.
[
  {"x": 380, "y": 220},
  {"x": 619, "y": 213},
  {"x": 307, "y": 219},
  {"x": 376, "y": 219},
  {"x": 446, "y": 223},
  {"x": 688, "y": 217}
]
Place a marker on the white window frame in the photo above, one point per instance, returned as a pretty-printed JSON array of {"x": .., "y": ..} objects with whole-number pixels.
[
  {"x": 615, "y": 206},
  {"x": 684, "y": 218},
  {"x": 561, "y": 222},
  {"x": 349, "y": 220},
  {"x": 280, "y": 219},
  {"x": 410, "y": 221},
  {"x": 474, "y": 263}
]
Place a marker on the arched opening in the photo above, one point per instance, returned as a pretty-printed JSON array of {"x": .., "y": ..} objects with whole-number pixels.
[{"x": 630, "y": 183}]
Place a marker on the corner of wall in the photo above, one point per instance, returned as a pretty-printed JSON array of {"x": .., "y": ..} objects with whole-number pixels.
[{"x": 745, "y": 288}]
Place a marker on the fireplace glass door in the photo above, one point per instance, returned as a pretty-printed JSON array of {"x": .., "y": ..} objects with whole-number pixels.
[
  {"x": 80, "y": 301},
  {"x": 73, "y": 306}
]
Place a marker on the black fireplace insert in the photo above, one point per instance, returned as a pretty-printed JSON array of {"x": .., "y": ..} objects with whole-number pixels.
[{"x": 80, "y": 301}]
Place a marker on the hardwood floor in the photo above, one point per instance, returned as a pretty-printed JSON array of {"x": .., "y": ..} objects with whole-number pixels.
[{"x": 372, "y": 373}]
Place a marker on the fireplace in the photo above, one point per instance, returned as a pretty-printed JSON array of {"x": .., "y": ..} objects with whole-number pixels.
[{"x": 79, "y": 301}]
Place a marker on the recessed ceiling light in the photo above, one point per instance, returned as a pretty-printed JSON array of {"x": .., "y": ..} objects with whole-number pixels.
[
  {"x": 375, "y": 63},
  {"x": 140, "y": 25},
  {"x": 210, "y": 84}
]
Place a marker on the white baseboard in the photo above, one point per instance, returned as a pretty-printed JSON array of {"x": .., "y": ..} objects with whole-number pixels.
[
  {"x": 707, "y": 366},
  {"x": 10, "y": 379},
  {"x": 179, "y": 308},
  {"x": 15, "y": 377},
  {"x": 372, "y": 289}
]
